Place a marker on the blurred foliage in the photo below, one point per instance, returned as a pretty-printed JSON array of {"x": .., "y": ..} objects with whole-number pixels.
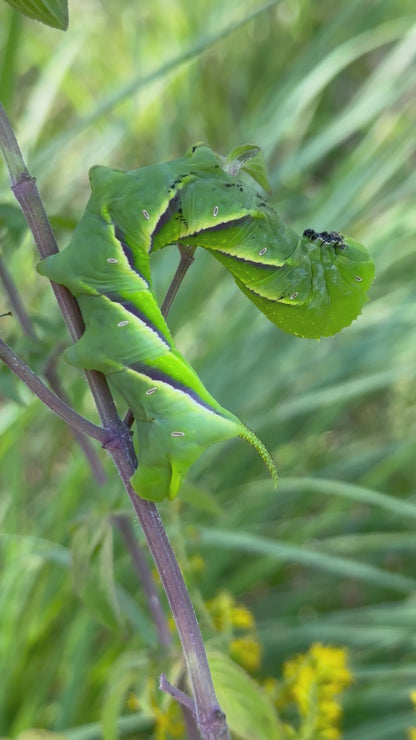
[
  {"x": 52, "y": 12},
  {"x": 327, "y": 90}
]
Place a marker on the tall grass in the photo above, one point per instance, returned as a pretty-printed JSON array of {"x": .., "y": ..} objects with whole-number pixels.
[{"x": 328, "y": 91}]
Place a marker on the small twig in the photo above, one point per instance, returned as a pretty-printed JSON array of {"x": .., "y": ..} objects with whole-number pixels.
[
  {"x": 142, "y": 569},
  {"x": 53, "y": 379},
  {"x": 129, "y": 419},
  {"x": 177, "y": 694},
  {"x": 59, "y": 407},
  {"x": 187, "y": 257}
]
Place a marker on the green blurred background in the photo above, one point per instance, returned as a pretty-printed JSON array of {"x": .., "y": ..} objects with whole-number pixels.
[{"x": 328, "y": 91}]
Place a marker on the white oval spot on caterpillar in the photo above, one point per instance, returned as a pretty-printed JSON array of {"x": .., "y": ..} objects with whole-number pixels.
[
  {"x": 122, "y": 323},
  {"x": 293, "y": 296},
  {"x": 262, "y": 251},
  {"x": 358, "y": 279},
  {"x": 146, "y": 214},
  {"x": 177, "y": 434},
  {"x": 150, "y": 391},
  {"x": 112, "y": 260},
  {"x": 215, "y": 211}
]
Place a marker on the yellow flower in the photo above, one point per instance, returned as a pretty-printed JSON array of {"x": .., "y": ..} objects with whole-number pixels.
[
  {"x": 169, "y": 719},
  {"x": 226, "y": 613},
  {"x": 313, "y": 682},
  {"x": 169, "y": 724},
  {"x": 247, "y": 652},
  {"x": 132, "y": 702},
  {"x": 242, "y": 618},
  {"x": 197, "y": 563}
]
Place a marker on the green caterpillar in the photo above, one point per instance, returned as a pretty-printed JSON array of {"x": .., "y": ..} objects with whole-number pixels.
[{"x": 309, "y": 286}]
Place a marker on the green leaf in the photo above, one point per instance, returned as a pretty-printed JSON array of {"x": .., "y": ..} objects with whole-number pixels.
[
  {"x": 51, "y": 12},
  {"x": 250, "y": 714}
]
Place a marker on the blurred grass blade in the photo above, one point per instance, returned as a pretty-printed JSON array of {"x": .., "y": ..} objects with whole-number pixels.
[
  {"x": 241, "y": 541},
  {"x": 47, "y": 87},
  {"x": 51, "y": 12},
  {"x": 347, "y": 490}
]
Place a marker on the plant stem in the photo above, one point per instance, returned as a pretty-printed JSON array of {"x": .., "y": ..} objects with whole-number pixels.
[
  {"x": 187, "y": 257},
  {"x": 49, "y": 398},
  {"x": 210, "y": 718}
]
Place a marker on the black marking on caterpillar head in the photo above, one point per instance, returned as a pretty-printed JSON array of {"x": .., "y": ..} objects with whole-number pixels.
[
  {"x": 330, "y": 238},
  {"x": 310, "y": 234}
]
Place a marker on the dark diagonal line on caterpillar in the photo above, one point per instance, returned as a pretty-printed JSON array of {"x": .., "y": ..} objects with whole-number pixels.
[
  {"x": 158, "y": 375},
  {"x": 133, "y": 309}
]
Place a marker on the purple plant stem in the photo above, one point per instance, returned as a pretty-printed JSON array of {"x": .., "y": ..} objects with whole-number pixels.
[
  {"x": 49, "y": 398},
  {"x": 210, "y": 717}
]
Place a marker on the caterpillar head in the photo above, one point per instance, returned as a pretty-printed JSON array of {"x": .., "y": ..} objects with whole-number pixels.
[{"x": 329, "y": 294}]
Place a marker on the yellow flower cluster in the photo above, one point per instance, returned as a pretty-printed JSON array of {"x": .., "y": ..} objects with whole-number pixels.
[
  {"x": 314, "y": 681},
  {"x": 168, "y": 720},
  {"x": 226, "y": 613},
  {"x": 230, "y": 618},
  {"x": 169, "y": 724},
  {"x": 411, "y": 733}
]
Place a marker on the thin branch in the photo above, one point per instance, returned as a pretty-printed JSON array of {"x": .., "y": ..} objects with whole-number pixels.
[
  {"x": 177, "y": 694},
  {"x": 59, "y": 407},
  {"x": 210, "y": 717},
  {"x": 187, "y": 257}
]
